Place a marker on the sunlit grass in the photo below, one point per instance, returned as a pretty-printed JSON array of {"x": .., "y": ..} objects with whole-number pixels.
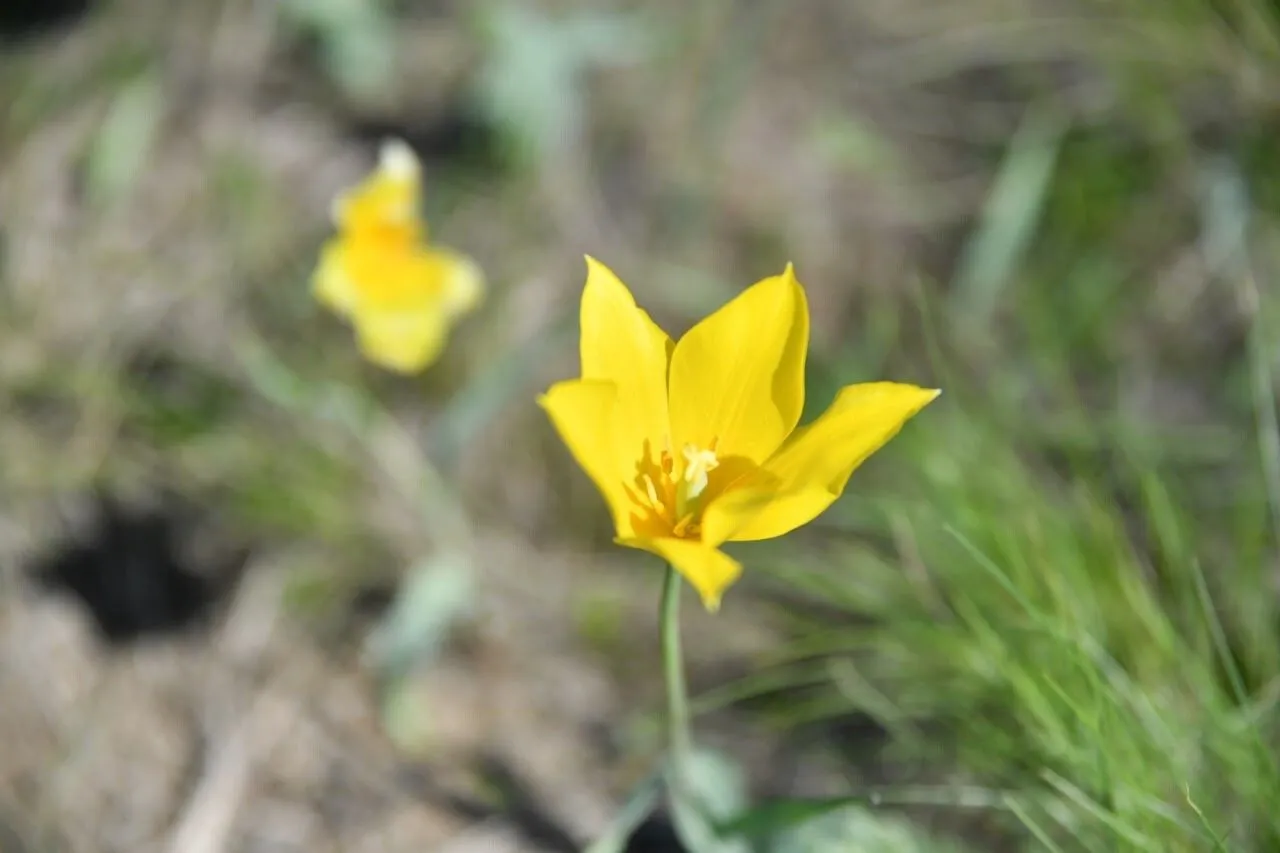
[{"x": 1071, "y": 576}]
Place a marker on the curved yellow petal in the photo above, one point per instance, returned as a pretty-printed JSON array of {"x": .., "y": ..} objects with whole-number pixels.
[
  {"x": 621, "y": 344},
  {"x": 708, "y": 569},
  {"x": 330, "y": 284},
  {"x": 583, "y": 413},
  {"x": 737, "y": 377},
  {"x": 388, "y": 202},
  {"x": 403, "y": 341},
  {"x": 463, "y": 281},
  {"x": 810, "y": 471},
  {"x": 736, "y": 510}
]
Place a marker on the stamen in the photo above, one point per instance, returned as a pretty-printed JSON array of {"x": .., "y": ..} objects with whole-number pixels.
[
  {"x": 652, "y": 491},
  {"x": 669, "y": 492},
  {"x": 698, "y": 463}
]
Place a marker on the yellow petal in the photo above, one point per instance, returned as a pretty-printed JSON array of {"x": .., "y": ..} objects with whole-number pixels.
[
  {"x": 388, "y": 201},
  {"x": 737, "y": 377},
  {"x": 330, "y": 284},
  {"x": 708, "y": 569},
  {"x": 622, "y": 345},
  {"x": 463, "y": 286},
  {"x": 403, "y": 341},
  {"x": 810, "y": 471},
  {"x": 735, "y": 511},
  {"x": 582, "y": 411},
  {"x": 396, "y": 280}
]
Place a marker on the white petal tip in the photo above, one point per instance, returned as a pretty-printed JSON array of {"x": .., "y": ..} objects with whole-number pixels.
[{"x": 397, "y": 160}]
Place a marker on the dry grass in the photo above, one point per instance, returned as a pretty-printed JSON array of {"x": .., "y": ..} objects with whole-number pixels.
[{"x": 268, "y": 732}]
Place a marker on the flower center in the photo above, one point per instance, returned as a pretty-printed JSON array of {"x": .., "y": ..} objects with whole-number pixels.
[
  {"x": 697, "y": 464},
  {"x": 672, "y": 495}
]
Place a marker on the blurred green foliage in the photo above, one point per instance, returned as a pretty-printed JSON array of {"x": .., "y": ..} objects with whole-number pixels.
[
  {"x": 1057, "y": 589},
  {"x": 532, "y": 80},
  {"x": 120, "y": 148},
  {"x": 356, "y": 38}
]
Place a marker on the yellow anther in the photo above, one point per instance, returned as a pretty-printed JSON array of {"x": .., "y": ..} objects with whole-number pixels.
[{"x": 669, "y": 489}]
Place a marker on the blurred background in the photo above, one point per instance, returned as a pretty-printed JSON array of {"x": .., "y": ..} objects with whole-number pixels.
[{"x": 260, "y": 596}]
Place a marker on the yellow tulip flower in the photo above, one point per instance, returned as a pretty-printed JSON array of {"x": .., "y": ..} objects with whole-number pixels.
[
  {"x": 379, "y": 273},
  {"x": 694, "y": 444}
]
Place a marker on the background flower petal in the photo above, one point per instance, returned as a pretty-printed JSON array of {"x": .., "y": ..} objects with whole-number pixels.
[
  {"x": 403, "y": 341},
  {"x": 708, "y": 569},
  {"x": 463, "y": 281},
  {"x": 330, "y": 284},
  {"x": 738, "y": 375},
  {"x": 387, "y": 204},
  {"x": 405, "y": 281}
]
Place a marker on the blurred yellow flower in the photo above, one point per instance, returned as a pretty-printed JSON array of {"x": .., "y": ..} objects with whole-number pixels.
[
  {"x": 694, "y": 444},
  {"x": 379, "y": 273}
]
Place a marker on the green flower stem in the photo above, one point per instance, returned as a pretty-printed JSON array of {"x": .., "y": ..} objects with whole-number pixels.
[{"x": 673, "y": 674}]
